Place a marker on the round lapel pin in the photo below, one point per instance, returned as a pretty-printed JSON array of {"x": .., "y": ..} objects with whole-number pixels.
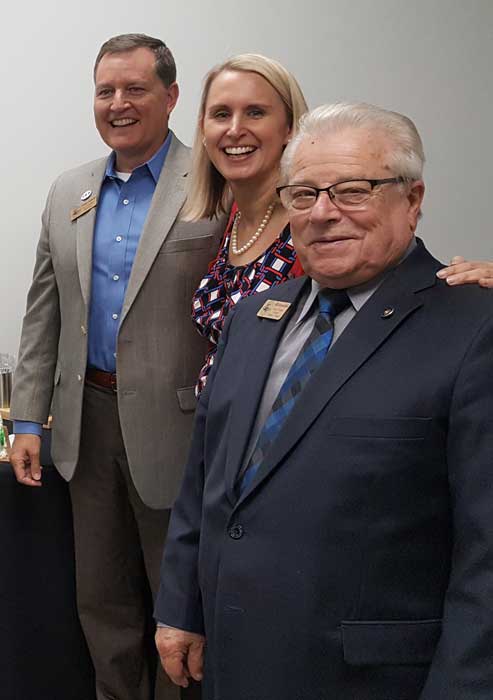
[
  {"x": 387, "y": 313},
  {"x": 85, "y": 195}
]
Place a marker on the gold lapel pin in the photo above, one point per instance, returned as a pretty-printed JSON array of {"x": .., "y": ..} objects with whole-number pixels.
[{"x": 387, "y": 313}]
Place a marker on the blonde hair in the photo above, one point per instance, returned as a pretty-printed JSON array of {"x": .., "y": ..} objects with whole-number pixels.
[{"x": 208, "y": 192}]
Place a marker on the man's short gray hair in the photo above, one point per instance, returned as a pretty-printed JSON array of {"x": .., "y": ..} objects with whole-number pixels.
[
  {"x": 165, "y": 63},
  {"x": 407, "y": 158}
]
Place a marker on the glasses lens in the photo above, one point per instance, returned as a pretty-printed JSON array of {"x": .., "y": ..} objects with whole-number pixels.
[
  {"x": 351, "y": 194},
  {"x": 299, "y": 197}
]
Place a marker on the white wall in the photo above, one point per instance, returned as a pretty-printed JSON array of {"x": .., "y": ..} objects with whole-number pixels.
[{"x": 431, "y": 59}]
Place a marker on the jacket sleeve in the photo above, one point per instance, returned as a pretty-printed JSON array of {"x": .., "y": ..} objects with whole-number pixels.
[
  {"x": 34, "y": 375},
  {"x": 178, "y": 603},
  {"x": 462, "y": 667}
]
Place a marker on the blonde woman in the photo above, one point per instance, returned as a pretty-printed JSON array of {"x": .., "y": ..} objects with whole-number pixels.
[{"x": 249, "y": 110}]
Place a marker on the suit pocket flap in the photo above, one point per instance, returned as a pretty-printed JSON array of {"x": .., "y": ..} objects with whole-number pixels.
[
  {"x": 186, "y": 398},
  {"x": 392, "y": 643},
  {"x": 181, "y": 245},
  {"x": 399, "y": 428}
]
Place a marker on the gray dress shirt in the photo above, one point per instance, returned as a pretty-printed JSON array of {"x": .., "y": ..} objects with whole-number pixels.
[{"x": 296, "y": 333}]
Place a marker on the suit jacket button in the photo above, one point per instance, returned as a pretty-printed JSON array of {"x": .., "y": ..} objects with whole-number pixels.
[{"x": 236, "y": 532}]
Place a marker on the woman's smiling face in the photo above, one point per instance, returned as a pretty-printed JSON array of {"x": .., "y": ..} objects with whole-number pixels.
[{"x": 245, "y": 126}]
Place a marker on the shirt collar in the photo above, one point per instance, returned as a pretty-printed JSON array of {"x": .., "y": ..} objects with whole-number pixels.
[
  {"x": 359, "y": 294},
  {"x": 154, "y": 165}
]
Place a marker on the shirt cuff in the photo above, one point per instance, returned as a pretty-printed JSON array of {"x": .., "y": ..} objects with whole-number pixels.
[
  {"x": 169, "y": 627},
  {"x": 23, "y": 427}
]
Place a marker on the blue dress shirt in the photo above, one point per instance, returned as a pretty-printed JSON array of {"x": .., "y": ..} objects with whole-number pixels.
[{"x": 121, "y": 214}]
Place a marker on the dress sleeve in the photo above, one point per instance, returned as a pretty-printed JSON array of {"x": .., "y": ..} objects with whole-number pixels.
[{"x": 210, "y": 303}]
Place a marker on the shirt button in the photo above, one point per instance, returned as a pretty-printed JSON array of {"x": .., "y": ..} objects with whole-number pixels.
[
  {"x": 116, "y": 278},
  {"x": 236, "y": 532},
  {"x": 118, "y": 238},
  {"x": 114, "y": 355},
  {"x": 125, "y": 201},
  {"x": 114, "y": 316}
]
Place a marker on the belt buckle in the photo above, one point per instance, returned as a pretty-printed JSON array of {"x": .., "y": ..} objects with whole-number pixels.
[{"x": 113, "y": 385}]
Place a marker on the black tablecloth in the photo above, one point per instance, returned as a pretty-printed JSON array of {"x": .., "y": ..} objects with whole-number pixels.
[{"x": 43, "y": 654}]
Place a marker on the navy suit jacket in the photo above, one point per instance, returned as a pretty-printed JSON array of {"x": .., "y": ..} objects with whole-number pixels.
[{"x": 359, "y": 563}]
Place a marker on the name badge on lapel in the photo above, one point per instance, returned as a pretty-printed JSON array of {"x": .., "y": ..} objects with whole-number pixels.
[
  {"x": 87, "y": 206},
  {"x": 274, "y": 310}
]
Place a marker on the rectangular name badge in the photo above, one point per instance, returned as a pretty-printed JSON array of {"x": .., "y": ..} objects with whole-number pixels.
[
  {"x": 274, "y": 310},
  {"x": 87, "y": 206}
]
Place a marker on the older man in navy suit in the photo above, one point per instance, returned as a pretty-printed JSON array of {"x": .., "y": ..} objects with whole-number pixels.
[{"x": 334, "y": 533}]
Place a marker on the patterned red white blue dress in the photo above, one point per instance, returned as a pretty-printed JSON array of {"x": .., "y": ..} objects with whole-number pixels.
[{"x": 224, "y": 286}]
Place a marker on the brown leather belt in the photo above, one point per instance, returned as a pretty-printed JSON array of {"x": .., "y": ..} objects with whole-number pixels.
[{"x": 107, "y": 380}]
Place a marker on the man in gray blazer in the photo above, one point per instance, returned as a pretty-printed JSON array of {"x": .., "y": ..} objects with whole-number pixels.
[{"x": 107, "y": 343}]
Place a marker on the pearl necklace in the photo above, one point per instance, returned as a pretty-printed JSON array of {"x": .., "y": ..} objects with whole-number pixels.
[{"x": 256, "y": 235}]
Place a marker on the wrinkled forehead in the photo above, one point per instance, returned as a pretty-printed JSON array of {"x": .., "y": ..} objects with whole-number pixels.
[{"x": 351, "y": 151}]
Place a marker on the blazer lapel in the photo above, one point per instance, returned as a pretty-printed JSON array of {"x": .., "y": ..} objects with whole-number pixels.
[
  {"x": 263, "y": 340},
  {"x": 167, "y": 201},
  {"x": 85, "y": 232},
  {"x": 367, "y": 331}
]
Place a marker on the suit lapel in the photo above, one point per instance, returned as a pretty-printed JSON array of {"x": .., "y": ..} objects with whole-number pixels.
[
  {"x": 263, "y": 340},
  {"x": 167, "y": 201},
  {"x": 367, "y": 331},
  {"x": 85, "y": 231}
]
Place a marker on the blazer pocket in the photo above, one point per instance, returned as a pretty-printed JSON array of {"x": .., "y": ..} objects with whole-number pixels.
[
  {"x": 390, "y": 643},
  {"x": 187, "y": 399},
  {"x": 180, "y": 245},
  {"x": 398, "y": 428}
]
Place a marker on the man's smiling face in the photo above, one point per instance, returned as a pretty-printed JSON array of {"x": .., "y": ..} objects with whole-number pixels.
[
  {"x": 132, "y": 106},
  {"x": 341, "y": 248}
]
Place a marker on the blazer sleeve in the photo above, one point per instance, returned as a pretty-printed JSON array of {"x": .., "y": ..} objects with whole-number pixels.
[
  {"x": 34, "y": 375},
  {"x": 178, "y": 603},
  {"x": 462, "y": 667}
]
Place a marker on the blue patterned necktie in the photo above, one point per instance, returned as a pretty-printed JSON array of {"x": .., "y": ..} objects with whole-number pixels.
[{"x": 331, "y": 303}]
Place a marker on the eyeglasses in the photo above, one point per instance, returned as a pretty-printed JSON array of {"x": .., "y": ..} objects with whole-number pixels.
[{"x": 348, "y": 194}]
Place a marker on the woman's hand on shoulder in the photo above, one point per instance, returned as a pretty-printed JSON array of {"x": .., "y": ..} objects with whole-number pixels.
[{"x": 462, "y": 271}]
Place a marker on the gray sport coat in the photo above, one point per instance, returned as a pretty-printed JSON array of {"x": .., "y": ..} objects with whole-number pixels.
[{"x": 159, "y": 353}]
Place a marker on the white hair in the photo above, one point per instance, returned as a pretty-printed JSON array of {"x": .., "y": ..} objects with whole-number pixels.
[{"x": 407, "y": 158}]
